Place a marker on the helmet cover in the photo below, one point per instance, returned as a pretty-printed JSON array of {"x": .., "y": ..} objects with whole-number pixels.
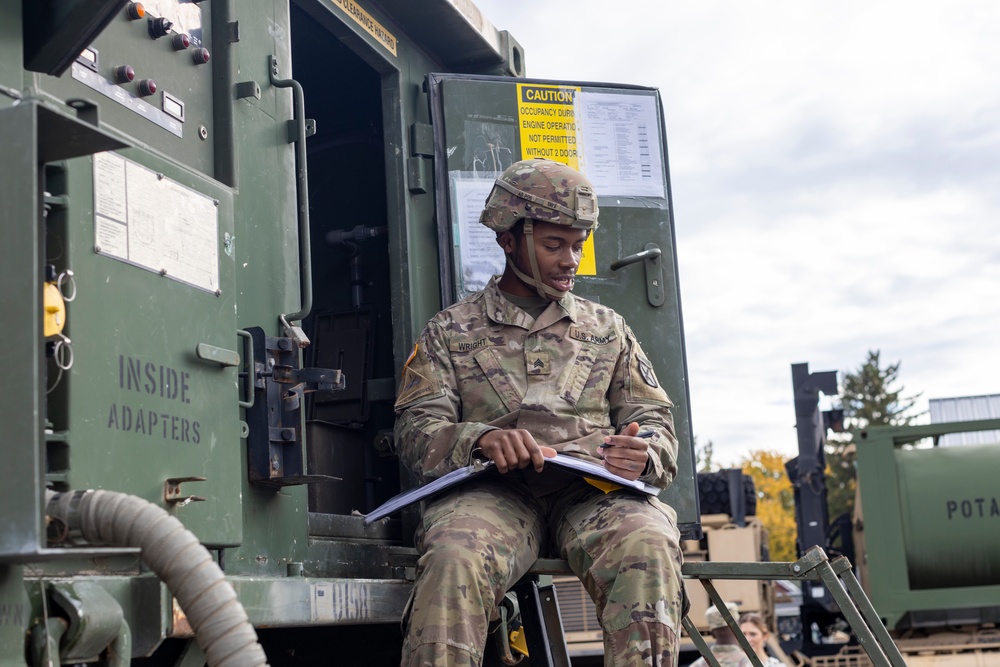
[{"x": 541, "y": 190}]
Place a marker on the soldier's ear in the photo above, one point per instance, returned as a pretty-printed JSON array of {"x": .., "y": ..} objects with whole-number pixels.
[{"x": 507, "y": 241}]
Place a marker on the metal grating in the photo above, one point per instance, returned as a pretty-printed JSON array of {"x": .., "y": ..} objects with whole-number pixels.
[
  {"x": 575, "y": 606},
  {"x": 966, "y": 408}
]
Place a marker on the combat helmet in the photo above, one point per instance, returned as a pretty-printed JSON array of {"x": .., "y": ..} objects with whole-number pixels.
[{"x": 539, "y": 190}]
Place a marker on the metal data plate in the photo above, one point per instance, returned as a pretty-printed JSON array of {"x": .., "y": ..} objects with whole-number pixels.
[{"x": 143, "y": 218}]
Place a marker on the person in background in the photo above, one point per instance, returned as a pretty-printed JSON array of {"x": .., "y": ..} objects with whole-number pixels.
[
  {"x": 756, "y": 632},
  {"x": 727, "y": 649}
]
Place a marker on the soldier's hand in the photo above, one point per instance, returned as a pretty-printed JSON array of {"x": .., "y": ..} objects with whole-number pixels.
[
  {"x": 511, "y": 448},
  {"x": 626, "y": 455}
]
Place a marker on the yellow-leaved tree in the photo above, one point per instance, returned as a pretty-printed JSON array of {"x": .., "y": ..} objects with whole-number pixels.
[{"x": 775, "y": 500}]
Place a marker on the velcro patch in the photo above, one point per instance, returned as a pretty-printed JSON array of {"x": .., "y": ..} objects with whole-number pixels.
[
  {"x": 417, "y": 382},
  {"x": 646, "y": 371},
  {"x": 591, "y": 337},
  {"x": 538, "y": 363},
  {"x": 472, "y": 344}
]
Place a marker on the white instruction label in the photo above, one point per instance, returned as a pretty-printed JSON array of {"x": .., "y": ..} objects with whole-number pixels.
[{"x": 146, "y": 219}]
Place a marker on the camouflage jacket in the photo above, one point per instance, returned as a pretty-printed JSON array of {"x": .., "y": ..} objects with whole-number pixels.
[{"x": 570, "y": 377}]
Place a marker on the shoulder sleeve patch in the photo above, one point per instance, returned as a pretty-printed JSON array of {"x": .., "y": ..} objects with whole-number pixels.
[{"x": 418, "y": 381}]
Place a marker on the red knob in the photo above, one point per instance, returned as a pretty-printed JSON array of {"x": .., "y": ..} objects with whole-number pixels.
[
  {"x": 124, "y": 74},
  {"x": 180, "y": 42},
  {"x": 200, "y": 56},
  {"x": 147, "y": 87}
]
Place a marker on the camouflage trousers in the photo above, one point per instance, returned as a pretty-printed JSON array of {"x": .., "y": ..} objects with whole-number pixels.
[{"x": 476, "y": 542}]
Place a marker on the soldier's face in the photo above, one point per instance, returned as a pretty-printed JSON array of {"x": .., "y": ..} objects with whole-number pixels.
[{"x": 558, "y": 249}]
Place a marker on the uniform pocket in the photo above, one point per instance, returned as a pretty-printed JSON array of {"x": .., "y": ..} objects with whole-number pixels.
[
  {"x": 586, "y": 387},
  {"x": 498, "y": 378}
]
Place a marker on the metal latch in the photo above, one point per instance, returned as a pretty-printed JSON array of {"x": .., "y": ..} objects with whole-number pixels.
[{"x": 274, "y": 413}]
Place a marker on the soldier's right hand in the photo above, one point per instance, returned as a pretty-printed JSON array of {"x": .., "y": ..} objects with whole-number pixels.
[{"x": 511, "y": 448}]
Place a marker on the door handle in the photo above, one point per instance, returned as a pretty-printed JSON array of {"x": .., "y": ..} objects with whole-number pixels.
[
  {"x": 650, "y": 256},
  {"x": 651, "y": 252}
]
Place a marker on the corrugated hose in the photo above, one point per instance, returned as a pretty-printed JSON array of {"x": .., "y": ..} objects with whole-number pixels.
[{"x": 222, "y": 628}]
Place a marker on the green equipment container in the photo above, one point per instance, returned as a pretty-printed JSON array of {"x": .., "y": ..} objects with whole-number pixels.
[{"x": 931, "y": 525}]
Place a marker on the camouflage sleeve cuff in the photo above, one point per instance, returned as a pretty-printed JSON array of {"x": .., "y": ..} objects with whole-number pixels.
[
  {"x": 653, "y": 472},
  {"x": 467, "y": 444},
  {"x": 659, "y": 472}
]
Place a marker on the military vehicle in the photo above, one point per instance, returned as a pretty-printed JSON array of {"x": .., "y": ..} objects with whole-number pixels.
[
  {"x": 922, "y": 536},
  {"x": 223, "y": 225}
]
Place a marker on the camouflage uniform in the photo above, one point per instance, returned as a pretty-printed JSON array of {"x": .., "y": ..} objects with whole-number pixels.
[
  {"x": 570, "y": 377},
  {"x": 728, "y": 655}
]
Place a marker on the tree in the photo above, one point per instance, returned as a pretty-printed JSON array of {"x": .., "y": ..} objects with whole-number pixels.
[
  {"x": 703, "y": 456},
  {"x": 775, "y": 500},
  {"x": 869, "y": 397}
]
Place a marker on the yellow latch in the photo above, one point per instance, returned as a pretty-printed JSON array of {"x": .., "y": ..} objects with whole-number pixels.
[
  {"x": 517, "y": 641},
  {"x": 55, "y": 310}
]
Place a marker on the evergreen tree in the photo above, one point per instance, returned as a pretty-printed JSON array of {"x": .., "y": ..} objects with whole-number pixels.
[{"x": 869, "y": 397}]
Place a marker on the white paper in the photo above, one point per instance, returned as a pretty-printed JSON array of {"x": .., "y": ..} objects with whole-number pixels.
[
  {"x": 622, "y": 153},
  {"x": 571, "y": 464},
  {"x": 478, "y": 255}
]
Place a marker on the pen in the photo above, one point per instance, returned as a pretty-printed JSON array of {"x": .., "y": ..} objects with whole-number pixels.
[{"x": 640, "y": 434}]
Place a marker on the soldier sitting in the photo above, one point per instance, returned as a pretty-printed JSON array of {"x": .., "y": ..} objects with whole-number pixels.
[{"x": 521, "y": 364}]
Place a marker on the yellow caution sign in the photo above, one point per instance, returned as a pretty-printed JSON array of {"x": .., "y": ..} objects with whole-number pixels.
[{"x": 546, "y": 119}]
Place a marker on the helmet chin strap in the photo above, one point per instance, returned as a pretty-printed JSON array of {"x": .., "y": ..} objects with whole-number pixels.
[{"x": 534, "y": 279}]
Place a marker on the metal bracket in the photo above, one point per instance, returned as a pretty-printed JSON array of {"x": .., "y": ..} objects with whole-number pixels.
[
  {"x": 274, "y": 416},
  {"x": 246, "y": 89},
  {"x": 313, "y": 379},
  {"x": 542, "y": 623},
  {"x": 293, "y": 129},
  {"x": 172, "y": 491}
]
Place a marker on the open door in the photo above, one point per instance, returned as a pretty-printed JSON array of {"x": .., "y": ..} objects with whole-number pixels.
[{"x": 613, "y": 134}]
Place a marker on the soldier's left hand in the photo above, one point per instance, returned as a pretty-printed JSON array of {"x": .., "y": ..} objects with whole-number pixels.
[{"x": 626, "y": 455}]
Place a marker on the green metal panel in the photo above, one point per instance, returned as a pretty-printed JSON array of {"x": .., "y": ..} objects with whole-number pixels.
[
  {"x": 127, "y": 42},
  {"x": 140, "y": 405},
  {"x": 917, "y": 557},
  {"x": 483, "y": 115},
  {"x": 15, "y": 614},
  {"x": 21, "y": 265},
  {"x": 10, "y": 51}
]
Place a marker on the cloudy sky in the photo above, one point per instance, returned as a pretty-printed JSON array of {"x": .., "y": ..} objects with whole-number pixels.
[{"x": 836, "y": 185}]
